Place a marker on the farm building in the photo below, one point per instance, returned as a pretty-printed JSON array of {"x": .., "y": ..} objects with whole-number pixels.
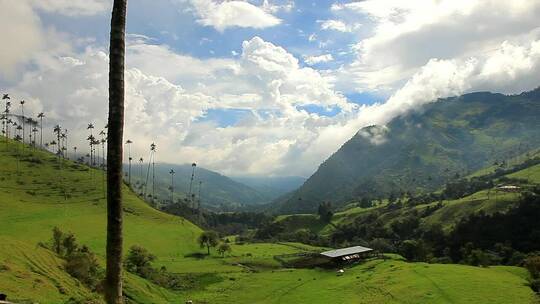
[
  {"x": 347, "y": 255},
  {"x": 329, "y": 258}
]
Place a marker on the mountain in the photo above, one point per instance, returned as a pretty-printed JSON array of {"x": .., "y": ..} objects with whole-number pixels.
[
  {"x": 272, "y": 187},
  {"x": 217, "y": 190},
  {"x": 422, "y": 150}
]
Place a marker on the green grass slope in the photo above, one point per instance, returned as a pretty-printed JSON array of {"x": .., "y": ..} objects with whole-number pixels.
[
  {"x": 391, "y": 281},
  {"x": 487, "y": 201},
  {"x": 37, "y": 193}
]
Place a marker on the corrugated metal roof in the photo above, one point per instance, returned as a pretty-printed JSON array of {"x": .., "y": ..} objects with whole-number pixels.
[{"x": 345, "y": 251}]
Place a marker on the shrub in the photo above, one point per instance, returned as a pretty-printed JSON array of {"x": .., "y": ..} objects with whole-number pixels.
[
  {"x": 139, "y": 261},
  {"x": 224, "y": 248},
  {"x": 84, "y": 266},
  {"x": 533, "y": 266}
]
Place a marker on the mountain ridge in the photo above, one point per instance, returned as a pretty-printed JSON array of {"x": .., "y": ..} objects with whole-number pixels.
[{"x": 421, "y": 150}]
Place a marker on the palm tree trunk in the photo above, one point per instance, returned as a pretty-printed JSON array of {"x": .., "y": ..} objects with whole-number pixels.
[
  {"x": 113, "y": 277},
  {"x": 41, "y": 132}
]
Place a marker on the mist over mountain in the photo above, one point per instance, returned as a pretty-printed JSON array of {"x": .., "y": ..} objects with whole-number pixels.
[
  {"x": 271, "y": 187},
  {"x": 216, "y": 190},
  {"x": 423, "y": 149}
]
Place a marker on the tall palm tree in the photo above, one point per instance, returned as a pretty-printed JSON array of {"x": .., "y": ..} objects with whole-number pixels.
[
  {"x": 22, "y": 102},
  {"x": 34, "y": 131},
  {"x": 141, "y": 161},
  {"x": 57, "y": 130},
  {"x": 172, "y": 185},
  {"x": 91, "y": 139},
  {"x": 190, "y": 195},
  {"x": 150, "y": 163},
  {"x": 199, "y": 202},
  {"x": 40, "y": 116},
  {"x": 75, "y": 153},
  {"x": 153, "y": 148},
  {"x": 103, "y": 135},
  {"x": 128, "y": 143},
  {"x": 9, "y": 121},
  {"x": 5, "y": 116},
  {"x": 113, "y": 276},
  {"x": 66, "y": 143}
]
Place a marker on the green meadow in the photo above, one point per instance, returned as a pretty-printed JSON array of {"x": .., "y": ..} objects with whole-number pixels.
[{"x": 38, "y": 192}]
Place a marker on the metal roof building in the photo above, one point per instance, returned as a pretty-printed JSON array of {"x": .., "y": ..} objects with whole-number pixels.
[{"x": 336, "y": 253}]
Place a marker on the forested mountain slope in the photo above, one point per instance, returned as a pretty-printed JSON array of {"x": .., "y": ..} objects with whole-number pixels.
[{"x": 423, "y": 149}]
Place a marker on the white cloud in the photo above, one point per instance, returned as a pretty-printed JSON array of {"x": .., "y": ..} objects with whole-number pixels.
[
  {"x": 73, "y": 7},
  {"x": 273, "y": 7},
  {"x": 226, "y": 14},
  {"x": 312, "y": 60},
  {"x": 337, "y": 25},
  {"x": 407, "y": 34},
  {"x": 169, "y": 95},
  {"x": 22, "y": 35}
]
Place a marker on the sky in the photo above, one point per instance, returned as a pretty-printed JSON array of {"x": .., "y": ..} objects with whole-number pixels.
[{"x": 262, "y": 87}]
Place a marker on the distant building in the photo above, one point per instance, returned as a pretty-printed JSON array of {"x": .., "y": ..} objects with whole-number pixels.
[
  {"x": 331, "y": 258},
  {"x": 347, "y": 255},
  {"x": 509, "y": 188}
]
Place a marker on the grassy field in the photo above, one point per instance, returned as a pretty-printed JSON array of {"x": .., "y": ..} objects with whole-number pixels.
[{"x": 39, "y": 192}]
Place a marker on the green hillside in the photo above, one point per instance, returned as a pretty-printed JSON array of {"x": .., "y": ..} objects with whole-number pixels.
[
  {"x": 39, "y": 192},
  {"x": 447, "y": 214},
  {"x": 217, "y": 192},
  {"x": 422, "y": 150}
]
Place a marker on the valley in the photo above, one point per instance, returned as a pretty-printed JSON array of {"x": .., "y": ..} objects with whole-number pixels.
[{"x": 39, "y": 192}]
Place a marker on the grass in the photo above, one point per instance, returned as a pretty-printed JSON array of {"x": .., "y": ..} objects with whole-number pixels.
[
  {"x": 377, "y": 281},
  {"x": 37, "y": 195}
]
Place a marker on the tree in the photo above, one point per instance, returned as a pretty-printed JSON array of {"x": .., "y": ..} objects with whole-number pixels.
[
  {"x": 57, "y": 238},
  {"x": 193, "y": 166},
  {"x": 5, "y": 116},
  {"x": 113, "y": 276},
  {"x": 22, "y": 114},
  {"x": 208, "y": 239},
  {"x": 91, "y": 139},
  {"x": 325, "y": 212},
  {"x": 224, "y": 248},
  {"x": 40, "y": 116},
  {"x": 69, "y": 243},
  {"x": 128, "y": 143},
  {"x": 139, "y": 260},
  {"x": 172, "y": 185},
  {"x": 57, "y": 130}
]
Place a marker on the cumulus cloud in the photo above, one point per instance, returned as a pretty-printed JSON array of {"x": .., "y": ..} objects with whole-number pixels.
[
  {"x": 407, "y": 34},
  {"x": 337, "y": 25},
  {"x": 73, "y": 7},
  {"x": 312, "y": 60},
  {"x": 170, "y": 96},
  {"x": 226, "y": 14},
  {"x": 273, "y": 7},
  {"x": 22, "y": 35}
]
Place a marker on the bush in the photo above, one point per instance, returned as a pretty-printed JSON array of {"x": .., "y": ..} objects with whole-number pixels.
[
  {"x": 84, "y": 266},
  {"x": 224, "y": 248},
  {"x": 533, "y": 266},
  {"x": 414, "y": 250},
  {"x": 139, "y": 261},
  {"x": 81, "y": 263},
  {"x": 382, "y": 245},
  {"x": 535, "y": 285}
]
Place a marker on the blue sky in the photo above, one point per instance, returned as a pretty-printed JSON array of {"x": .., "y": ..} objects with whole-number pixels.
[{"x": 262, "y": 86}]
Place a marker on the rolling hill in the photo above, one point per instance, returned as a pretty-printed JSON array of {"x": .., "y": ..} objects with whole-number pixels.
[
  {"x": 444, "y": 212},
  {"x": 422, "y": 150},
  {"x": 272, "y": 187},
  {"x": 38, "y": 192},
  {"x": 218, "y": 192}
]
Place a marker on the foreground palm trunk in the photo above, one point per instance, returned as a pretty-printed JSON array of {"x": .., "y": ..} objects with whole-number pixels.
[{"x": 113, "y": 278}]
